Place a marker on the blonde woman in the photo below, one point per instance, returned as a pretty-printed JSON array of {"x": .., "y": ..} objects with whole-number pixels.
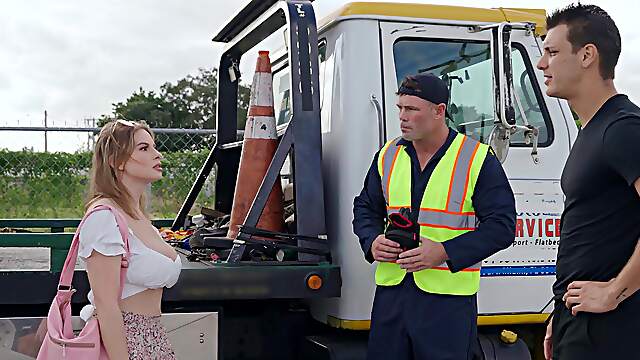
[{"x": 125, "y": 162}]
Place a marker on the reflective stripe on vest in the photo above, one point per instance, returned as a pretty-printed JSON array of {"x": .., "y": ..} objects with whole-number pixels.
[{"x": 446, "y": 209}]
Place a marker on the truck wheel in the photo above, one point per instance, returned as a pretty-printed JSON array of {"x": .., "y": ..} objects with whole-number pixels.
[{"x": 505, "y": 346}]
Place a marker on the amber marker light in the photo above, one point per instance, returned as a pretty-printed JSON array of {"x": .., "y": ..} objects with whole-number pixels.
[{"x": 314, "y": 282}]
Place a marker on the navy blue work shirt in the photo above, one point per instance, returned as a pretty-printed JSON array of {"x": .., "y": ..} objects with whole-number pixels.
[{"x": 492, "y": 199}]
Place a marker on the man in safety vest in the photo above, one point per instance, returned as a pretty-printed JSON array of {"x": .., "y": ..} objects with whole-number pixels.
[{"x": 464, "y": 211}]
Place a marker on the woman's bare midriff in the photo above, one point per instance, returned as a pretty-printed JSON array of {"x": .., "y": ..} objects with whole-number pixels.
[{"x": 146, "y": 302}]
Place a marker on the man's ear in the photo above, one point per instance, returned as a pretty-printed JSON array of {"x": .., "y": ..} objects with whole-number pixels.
[{"x": 588, "y": 55}]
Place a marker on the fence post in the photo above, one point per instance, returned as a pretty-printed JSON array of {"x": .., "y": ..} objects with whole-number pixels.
[{"x": 46, "y": 148}]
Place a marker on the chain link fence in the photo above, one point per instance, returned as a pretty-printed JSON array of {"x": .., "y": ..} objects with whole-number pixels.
[{"x": 54, "y": 184}]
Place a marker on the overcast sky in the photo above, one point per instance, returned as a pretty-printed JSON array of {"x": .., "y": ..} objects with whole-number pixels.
[{"x": 75, "y": 58}]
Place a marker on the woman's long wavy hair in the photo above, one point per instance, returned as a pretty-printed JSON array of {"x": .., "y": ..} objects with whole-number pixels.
[{"x": 113, "y": 148}]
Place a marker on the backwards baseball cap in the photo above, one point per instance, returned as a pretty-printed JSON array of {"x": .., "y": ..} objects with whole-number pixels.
[{"x": 427, "y": 87}]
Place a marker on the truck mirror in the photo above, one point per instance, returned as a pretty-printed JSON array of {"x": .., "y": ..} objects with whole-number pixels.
[
  {"x": 502, "y": 75},
  {"x": 499, "y": 142},
  {"x": 503, "y": 90}
]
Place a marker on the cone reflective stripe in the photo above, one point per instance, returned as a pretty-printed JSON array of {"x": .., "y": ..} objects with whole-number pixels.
[{"x": 258, "y": 148}]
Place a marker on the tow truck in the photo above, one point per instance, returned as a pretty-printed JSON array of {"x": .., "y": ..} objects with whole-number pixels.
[{"x": 307, "y": 293}]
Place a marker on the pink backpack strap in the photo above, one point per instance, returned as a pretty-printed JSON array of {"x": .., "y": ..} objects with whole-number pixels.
[{"x": 69, "y": 265}]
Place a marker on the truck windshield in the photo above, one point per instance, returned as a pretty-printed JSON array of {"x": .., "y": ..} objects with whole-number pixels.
[{"x": 466, "y": 67}]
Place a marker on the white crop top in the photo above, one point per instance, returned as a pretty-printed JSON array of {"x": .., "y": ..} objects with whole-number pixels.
[{"x": 148, "y": 269}]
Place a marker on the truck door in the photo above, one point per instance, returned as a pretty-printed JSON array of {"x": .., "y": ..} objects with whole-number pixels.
[{"x": 463, "y": 58}]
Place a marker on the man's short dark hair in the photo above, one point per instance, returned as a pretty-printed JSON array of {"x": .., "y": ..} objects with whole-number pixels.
[
  {"x": 410, "y": 83},
  {"x": 589, "y": 24}
]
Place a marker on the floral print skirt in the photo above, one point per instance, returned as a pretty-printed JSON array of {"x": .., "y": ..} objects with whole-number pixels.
[{"x": 146, "y": 338}]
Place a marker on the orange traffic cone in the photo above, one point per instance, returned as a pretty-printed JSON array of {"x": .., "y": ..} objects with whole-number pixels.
[{"x": 258, "y": 148}]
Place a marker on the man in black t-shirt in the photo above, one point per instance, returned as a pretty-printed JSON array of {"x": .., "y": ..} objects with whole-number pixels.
[{"x": 597, "y": 309}]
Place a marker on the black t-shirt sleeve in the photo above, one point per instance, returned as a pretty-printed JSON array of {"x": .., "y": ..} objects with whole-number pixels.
[{"x": 621, "y": 144}]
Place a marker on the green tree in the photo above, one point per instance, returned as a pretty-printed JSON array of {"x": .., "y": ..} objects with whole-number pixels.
[
  {"x": 190, "y": 103},
  {"x": 244, "y": 94}
]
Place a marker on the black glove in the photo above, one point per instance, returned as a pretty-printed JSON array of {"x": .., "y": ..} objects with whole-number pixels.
[{"x": 402, "y": 229}]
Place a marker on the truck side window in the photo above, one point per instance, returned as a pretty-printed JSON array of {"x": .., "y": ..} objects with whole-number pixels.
[
  {"x": 466, "y": 68},
  {"x": 281, "y": 81},
  {"x": 530, "y": 100}
]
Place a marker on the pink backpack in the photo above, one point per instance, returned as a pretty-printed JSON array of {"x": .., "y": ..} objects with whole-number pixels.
[{"x": 60, "y": 341}]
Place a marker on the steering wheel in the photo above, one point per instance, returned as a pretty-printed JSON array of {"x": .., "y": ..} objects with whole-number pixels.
[{"x": 481, "y": 123}]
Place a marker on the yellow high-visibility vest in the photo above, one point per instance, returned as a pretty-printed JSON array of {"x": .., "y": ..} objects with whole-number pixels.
[{"x": 446, "y": 210}]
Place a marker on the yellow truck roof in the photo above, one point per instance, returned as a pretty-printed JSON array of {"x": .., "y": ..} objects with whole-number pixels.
[{"x": 377, "y": 10}]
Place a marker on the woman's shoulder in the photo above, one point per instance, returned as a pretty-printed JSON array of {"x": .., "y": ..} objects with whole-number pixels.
[
  {"x": 100, "y": 232},
  {"x": 101, "y": 221},
  {"x": 103, "y": 201}
]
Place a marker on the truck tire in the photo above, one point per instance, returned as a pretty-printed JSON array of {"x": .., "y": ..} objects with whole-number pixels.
[{"x": 493, "y": 348}]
